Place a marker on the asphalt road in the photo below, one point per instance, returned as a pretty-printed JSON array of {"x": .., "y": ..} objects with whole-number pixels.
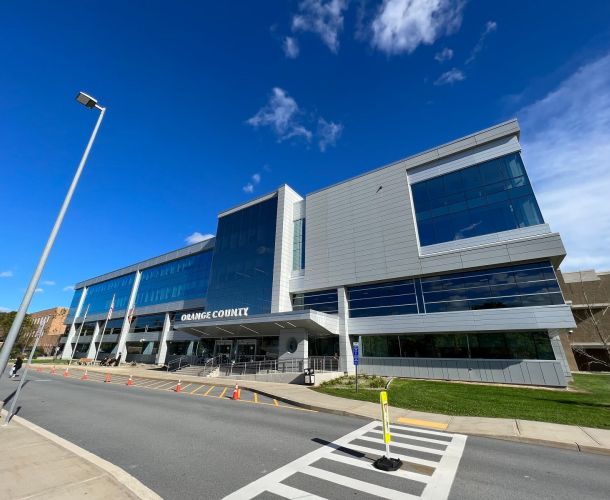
[{"x": 185, "y": 446}]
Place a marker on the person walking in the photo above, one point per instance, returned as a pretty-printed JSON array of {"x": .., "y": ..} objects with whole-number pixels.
[{"x": 16, "y": 367}]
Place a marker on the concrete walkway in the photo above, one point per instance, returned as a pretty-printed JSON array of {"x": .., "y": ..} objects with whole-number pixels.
[
  {"x": 558, "y": 435},
  {"x": 37, "y": 464}
]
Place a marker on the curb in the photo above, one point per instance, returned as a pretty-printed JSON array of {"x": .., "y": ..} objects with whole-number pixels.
[{"x": 127, "y": 480}]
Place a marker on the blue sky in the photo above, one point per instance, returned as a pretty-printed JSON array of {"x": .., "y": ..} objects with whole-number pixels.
[{"x": 212, "y": 103}]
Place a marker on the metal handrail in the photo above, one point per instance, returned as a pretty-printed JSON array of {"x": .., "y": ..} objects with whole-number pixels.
[
  {"x": 292, "y": 365},
  {"x": 180, "y": 361}
]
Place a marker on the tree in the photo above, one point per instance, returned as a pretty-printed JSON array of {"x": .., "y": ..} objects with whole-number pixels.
[{"x": 27, "y": 334}]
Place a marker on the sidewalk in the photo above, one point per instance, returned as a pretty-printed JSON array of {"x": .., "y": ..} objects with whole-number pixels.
[
  {"x": 37, "y": 464},
  {"x": 563, "y": 436}
]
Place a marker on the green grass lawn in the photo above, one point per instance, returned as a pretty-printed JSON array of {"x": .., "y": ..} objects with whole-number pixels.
[{"x": 590, "y": 406}]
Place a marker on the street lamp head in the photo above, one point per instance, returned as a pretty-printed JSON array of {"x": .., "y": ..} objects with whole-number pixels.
[{"x": 86, "y": 100}]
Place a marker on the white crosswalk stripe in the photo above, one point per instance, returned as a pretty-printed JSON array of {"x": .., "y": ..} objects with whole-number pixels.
[{"x": 328, "y": 470}]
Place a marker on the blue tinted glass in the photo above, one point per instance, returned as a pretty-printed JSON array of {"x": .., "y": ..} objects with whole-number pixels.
[
  {"x": 510, "y": 286},
  {"x": 323, "y": 300},
  {"x": 382, "y": 299},
  {"x": 99, "y": 296},
  {"x": 182, "y": 279},
  {"x": 242, "y": 266},
  {"x": 73, "y": 305},
  {"x": 486, "y": 198}
]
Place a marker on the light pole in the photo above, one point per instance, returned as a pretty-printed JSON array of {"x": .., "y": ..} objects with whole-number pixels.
[{"x": 90, "y": 103}]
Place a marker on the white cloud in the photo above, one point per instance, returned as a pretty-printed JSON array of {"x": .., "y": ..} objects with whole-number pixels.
[
  {"x": 451, "y": 76},
  {"x": 490, "y": 27},
  {"x": 196, "y": 237},
  {"x": 566, "y": 146},
  {"x": 328, "y": 133},
  {"x": 256, "y": 178},
  {"x": 48, "y": 283},
  {"x": 4, "y": 309},
  {"x": 39, "y": 290},
  {"x": 69, "y": 288},
  {"x": 6, "y": 274},
  {"x": 291, "y": 47},
  {"x": 248, "y": 188},
  {"x": 403, "y": 25},
  {"x": 323, "y": 17},
  {"x": 444, "y": 55},
  {"x": 282, "y": 115}
]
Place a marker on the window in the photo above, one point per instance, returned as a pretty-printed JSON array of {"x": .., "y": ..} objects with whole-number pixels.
[
  {"x": 242, "y": 265},
  {"x": 148, "y": 323},
  {"x": 73, "y": 305},
  {"x": 486, "y": 198},
  {"x": 322, "y": 300},
  {"x": 298, "y": 245},
  {"x": 523, "y": 285},
  {"x": 496, "y": 345},
  {"x": 99, "y": 296},
  {"x": 382, "y": 299},
  {"x": 182, "y": 279}
]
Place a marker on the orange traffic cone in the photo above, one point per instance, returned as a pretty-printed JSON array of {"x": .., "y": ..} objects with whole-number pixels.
[
  {"x": 130, "y": 381},
  {"x": 178, "y": 387},
  {"x": 235, "y": 393},
  {"x": 107, "y": 379},
  {"x": 52, "y": 372},
  {"x": 85, "y": 376},
  {"x": 66, "y": 373}
]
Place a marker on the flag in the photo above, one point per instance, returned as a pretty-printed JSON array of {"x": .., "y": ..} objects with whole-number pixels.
[
  {"x": 110, "y": 310},
  {"x": 130, "y": 315}
]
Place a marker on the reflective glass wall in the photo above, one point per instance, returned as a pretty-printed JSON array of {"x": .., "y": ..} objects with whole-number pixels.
[
  {"x": 322, "y": 300},
  {"x": 486, "y": 198},
  {"x": 99, "y": 296},
  {"x": 74, "y": 304},
  {"x": 182, "y": 279},
  {"x": 242, "y": 266}
]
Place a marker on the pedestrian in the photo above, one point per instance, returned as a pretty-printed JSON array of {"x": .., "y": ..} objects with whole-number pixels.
[{"x": 16, "y": 367}]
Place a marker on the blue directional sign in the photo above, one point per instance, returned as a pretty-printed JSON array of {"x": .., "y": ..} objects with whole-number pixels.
[{"x": 356, "y": 351}]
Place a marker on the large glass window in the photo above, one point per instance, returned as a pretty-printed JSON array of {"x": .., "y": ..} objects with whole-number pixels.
[
  {"x": 523, "y": 285},
  {"x": 99, "y": 296},
  {"x": 73, "y": 305},
  {"x": 242, "y": 266},
  {"x": 382, "y": 299},
  {"x": 182, "y": 279},
  {"x": 298, "y": 245},
  {"x": 322, "y": 300},
  {"x": 486, "y": 198},
  {"x": 148, "y": 323},
  {"x": 497, "y": 345}
]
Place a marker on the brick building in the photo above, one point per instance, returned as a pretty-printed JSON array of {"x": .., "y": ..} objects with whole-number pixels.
[
  {"x": 589, "y": 294},
  {"x": 53, "y": 328}
]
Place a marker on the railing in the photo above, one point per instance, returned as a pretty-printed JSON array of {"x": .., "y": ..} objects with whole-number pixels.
[
  {"x": 272, "y": 366},
  {"x": 141, "y": 358},
  {"x": 177, "y": 363},
  {"x": 324, "y": 363}
]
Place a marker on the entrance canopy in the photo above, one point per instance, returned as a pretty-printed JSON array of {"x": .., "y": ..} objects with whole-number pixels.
[{"x": 316, "y": 323}]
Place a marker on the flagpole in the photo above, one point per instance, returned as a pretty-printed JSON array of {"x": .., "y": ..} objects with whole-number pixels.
[
  {"x": 104, "y": 329},
  {"x": 78, "y": 336}
]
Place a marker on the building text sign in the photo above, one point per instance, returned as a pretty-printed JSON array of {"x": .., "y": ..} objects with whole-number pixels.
[{"x": 221, "y": 313}]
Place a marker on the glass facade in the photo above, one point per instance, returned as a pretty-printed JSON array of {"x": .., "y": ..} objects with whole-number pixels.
[
  {"x": 511, "y": 286},
  {"x": 181, "y": 279},
  {"x": 322, "y": 300},
  {"x": 242, "y": 266},
  {"x": 486, "y": 198},
  {"x": 382, "y": 299},
  {"x": 521, "y": 285},
  {"x": 501, "y": 345},
  {"x": 298, "y": 245},
  {"x": 113, "y": 327},
  {"x": 74, "y": 304},
  {"x": 99, "y": 296},
  {"x": 148, "y": 323}
]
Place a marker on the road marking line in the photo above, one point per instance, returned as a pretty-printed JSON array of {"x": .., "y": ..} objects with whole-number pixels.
[
  {"x": 164, "y": 386},
  {"x": 406, "y": 458},
  {"x": 402, "y": 445},
  {"x": 255, "y": 397},
  {"x": 276, "y": 403},
  {"x": 197, "y": 388},
  {"x": 446, "y": 470},
  {"x": 187, "y": 385},
  {"x": 157, "y": 383},
  {"x": 356, "y": 484},
  {"x": 414, "y": 476},
  {"x": 423, "y": 423},
  {"x": 419, "y": 430},
  {"x": 415, "y": 438},
  {"x": 209, "y": 390},
  {"x": 289, "y": 492},
  {"x": 223, "y": 393}
]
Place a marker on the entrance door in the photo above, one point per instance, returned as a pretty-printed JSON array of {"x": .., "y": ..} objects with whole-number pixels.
[
  {"x": 223, "y": 348},
  {"x": 246, "y": 350}
]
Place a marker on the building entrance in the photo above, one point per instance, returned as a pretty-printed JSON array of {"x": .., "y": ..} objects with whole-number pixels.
[
  {"x": 246, "y": 350},
  {"x": 223, "y": 348}
]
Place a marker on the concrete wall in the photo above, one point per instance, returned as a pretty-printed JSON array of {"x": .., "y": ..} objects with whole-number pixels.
[{"x": 502, "y": 371}]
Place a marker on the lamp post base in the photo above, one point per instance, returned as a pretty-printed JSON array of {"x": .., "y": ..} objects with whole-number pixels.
[{"x": 387, "y": 464}]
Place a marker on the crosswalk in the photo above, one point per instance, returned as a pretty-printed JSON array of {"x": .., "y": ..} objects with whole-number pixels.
[{"x": 344, "y": 468}]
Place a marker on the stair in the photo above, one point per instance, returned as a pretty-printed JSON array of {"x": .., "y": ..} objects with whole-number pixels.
[{"x": 199, "y": 371}]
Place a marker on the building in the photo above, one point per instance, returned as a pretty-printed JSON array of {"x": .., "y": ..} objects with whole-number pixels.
[
  {"x": 53, "y": 320},
  {"x": 440, "y": 265},
  {"x": 588, "y": 293}
]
